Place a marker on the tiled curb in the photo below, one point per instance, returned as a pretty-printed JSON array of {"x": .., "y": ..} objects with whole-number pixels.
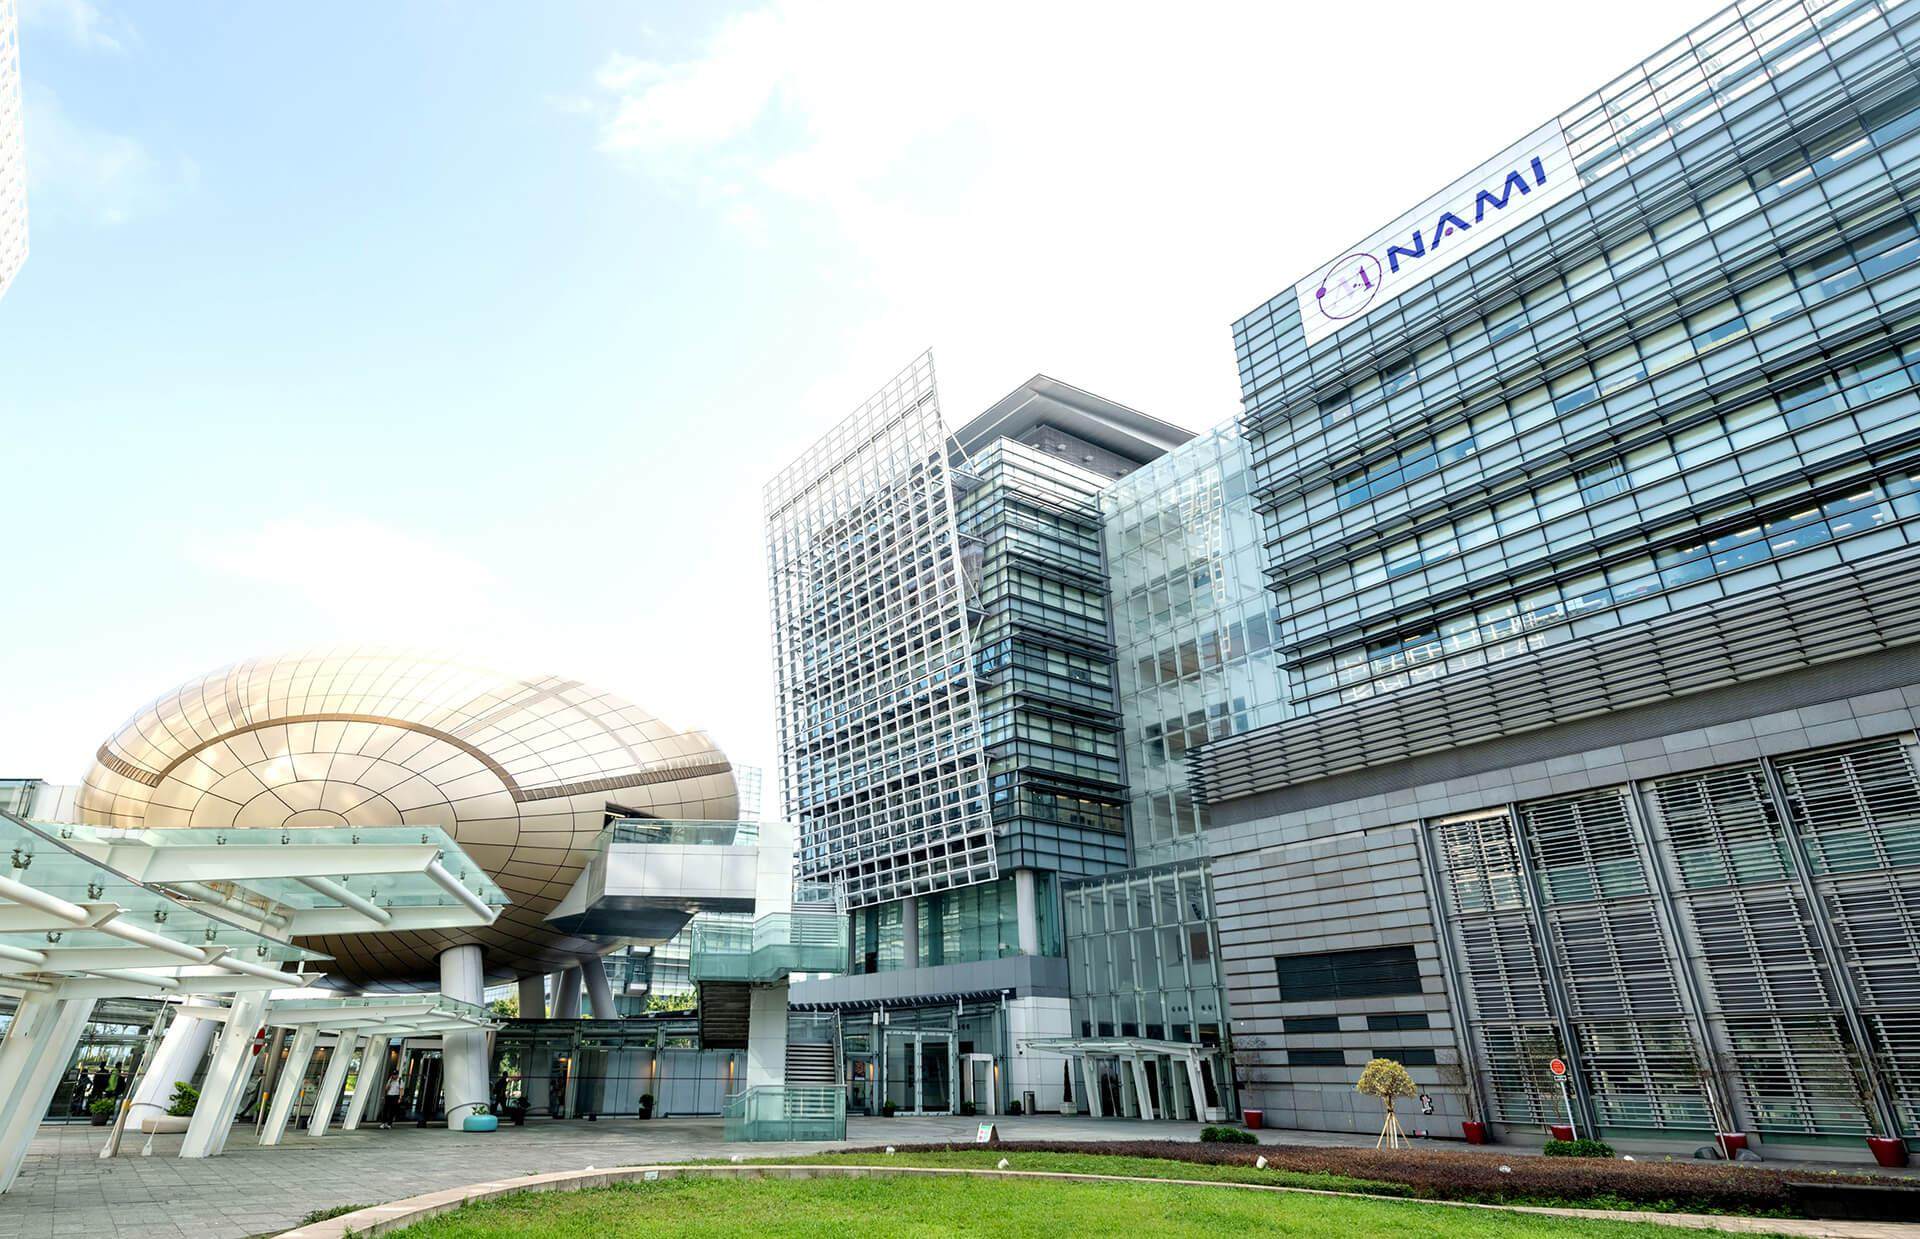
[{"x": 379, "y": 1219}]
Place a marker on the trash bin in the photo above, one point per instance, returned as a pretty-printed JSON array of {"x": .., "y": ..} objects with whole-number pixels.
[
  {"x": 1026, "y": 1101},
  {"x": 1253, "y": 1118}
]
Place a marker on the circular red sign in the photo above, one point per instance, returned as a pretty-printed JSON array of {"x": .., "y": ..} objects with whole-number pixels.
[{"x": 1557, "y": 1067}]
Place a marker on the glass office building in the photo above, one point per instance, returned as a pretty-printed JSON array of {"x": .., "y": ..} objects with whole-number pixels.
[
  {"x": 950, "y": 735},
  {"x": 1589, "y": 490}
]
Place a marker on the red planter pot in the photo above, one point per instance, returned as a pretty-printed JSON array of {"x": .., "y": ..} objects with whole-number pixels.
[
  {"x": 1889, "y": 1151},
  {"x": 1560, "y": 1131},
  {"x": 1253, "y": 1118},
  {"x": 1731, "y": 1142},
  {"x": 1475, "y": 1131}
]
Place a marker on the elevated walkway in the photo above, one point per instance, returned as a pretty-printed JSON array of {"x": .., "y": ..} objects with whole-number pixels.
[
  {"x": 647, "y": 878},
  {"x": 772, "y": 948}
]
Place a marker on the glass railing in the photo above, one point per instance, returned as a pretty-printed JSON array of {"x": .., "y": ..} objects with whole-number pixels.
[
  {"x": 787, "y": 1112},
  {"x": 684, "y": 834},
  {"x": 772, "y": 946}
]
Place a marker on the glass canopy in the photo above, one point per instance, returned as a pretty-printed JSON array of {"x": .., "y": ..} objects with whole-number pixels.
[{"x": 39, "y": 858}]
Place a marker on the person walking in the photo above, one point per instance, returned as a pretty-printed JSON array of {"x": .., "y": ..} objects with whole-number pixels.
[{"x": 391, "y": 1109}]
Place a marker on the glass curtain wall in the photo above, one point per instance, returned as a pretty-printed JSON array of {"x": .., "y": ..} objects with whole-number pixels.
[{"x": 1194, "y": 627}]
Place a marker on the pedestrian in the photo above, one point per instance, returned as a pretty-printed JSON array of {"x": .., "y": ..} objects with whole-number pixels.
[{"x": 391, "y": 1110}]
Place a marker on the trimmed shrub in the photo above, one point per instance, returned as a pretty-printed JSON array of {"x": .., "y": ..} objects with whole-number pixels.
[
  {"x": 1227, "y": 1135},
  {"x": 185, "y": 1098},
  {"x": 1435, "y": 1174},
  {"x": 1578, "y": 1148}
]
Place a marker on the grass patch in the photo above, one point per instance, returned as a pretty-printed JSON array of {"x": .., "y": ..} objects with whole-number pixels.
[
  {"x": 321, "y": 1215},
  {"x": 1104, "y": 1163},
  {"x": 698, "y": 1208}
]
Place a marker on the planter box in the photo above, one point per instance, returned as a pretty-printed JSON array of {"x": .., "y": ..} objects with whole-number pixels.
[
  {"x": 1731, "y": 1142},
  {"x": 1474, "y": 1130},
  {"x": 1560, "y": 1131}
]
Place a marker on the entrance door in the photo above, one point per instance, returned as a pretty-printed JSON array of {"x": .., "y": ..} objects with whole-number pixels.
[
  {"x": 920, "y": 1072},
  {"x": 976, "y": 1073},
  {"x": 861, "y": 1097},
  {"x": 422, "y": 1095}
]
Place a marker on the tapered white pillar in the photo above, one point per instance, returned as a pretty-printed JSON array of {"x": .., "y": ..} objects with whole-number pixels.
[
  {"x": 566, "y": 994},
  {"x": 332, "y": 1081},
  {"x": 39, "y": 1044},
  {"x": 1091, "y": 1075},
  {"x": 599, "y": 989},
  {"x": 184, "y": 1044},
  {"x": 226, "y": 1080},
  {"x": 533, "y": 997},
  {"x": 464, "y": 1053},
  {"x": 1141, "y": 1089},
  {"x": 287, "y": 1090},
  {"x": 1197, "y": 1085},
  {"x": 370, "y": 1082}
]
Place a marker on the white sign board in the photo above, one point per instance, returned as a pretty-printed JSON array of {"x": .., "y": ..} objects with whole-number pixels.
[{"x": 1522, "y": 181}]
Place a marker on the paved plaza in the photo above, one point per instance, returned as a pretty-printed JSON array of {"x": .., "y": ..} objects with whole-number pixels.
[{"x": 66, "y": 1189}]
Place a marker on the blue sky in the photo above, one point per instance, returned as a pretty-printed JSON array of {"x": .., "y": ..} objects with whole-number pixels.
[{"x": 480, "y": 325}]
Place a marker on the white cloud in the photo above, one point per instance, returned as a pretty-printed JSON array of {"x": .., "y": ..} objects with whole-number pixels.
[
  {"x": 107, "y": 177},
  {"x": 348, "y": 566},
  {"x": 1093, "y": 189},
  {"x": 81, "y": 23}
]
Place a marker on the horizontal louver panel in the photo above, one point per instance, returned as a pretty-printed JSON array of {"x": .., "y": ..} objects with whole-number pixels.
[
  {"x": 1583, "y": 848},
  {"x": 1643, "y": 1073}
]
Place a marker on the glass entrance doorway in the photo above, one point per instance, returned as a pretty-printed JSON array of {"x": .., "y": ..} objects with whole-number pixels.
[
  {"x": 979, "y": 1084},
  {"x": 920, "y": 1071}
]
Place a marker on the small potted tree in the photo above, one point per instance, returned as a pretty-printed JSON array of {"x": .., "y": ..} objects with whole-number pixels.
[
  {"x": 1473, "y": 1127},
  {"x": 101, "y": 1110},
  {"x": 1385, "y": 1079},
  {"x": 1888, "y": 1150},
  {"x": 646, "y": 1105},
  {"x": 1706, "y": 1069}
]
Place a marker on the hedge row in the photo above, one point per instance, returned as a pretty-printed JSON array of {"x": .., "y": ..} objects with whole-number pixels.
[{"x": 1682, "y": 1186}]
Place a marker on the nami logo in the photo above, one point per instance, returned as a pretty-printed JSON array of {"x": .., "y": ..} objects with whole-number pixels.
[{"x": 1521, "y": 182}]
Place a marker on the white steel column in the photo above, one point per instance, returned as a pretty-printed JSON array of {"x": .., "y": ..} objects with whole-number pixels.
[
  {"x": 1141, "y": 1088},
  {"x": 39, "y": 1044},
  {"x": 288, "y": 1089},
  {"x": 463, "y": 1053},
  {"x": 599, "y": 989},
  {"x": 533, "y": 997},
  {"x": 1091, "y": 1074},
  {"x": 346, "y": 1044},
  {"x": 227, "y": 1074},
  {"x": 910, "y": 932},
  {"x": 767, "y": 1034},
  {"x": 566, "y": 994},
  {"x": 371, "y": 1082},
  {"x": 1026, "y": 910},
  {"x": 181, "y": 1048}
]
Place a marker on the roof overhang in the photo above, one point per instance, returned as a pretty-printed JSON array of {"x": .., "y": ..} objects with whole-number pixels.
[{"x": 1106, "y": 424}]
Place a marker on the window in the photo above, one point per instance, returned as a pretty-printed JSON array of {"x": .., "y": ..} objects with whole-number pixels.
[
  {"x": 1408, "y": 1055},
  {"x": 1311, "y": 1024},
  {"x": 1348, "y": 974},
  {"x": 1397, "y": 1022},
  {"x": 1316, "y": 1058}
]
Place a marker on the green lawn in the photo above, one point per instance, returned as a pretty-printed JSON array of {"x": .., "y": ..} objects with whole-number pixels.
[
  {"x": 967, "y": 1206},
  {"x": 1101, "y": 1163}
]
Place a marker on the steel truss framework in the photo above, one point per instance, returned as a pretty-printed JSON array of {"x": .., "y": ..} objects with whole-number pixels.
[{"x": 879, "y": 726}]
